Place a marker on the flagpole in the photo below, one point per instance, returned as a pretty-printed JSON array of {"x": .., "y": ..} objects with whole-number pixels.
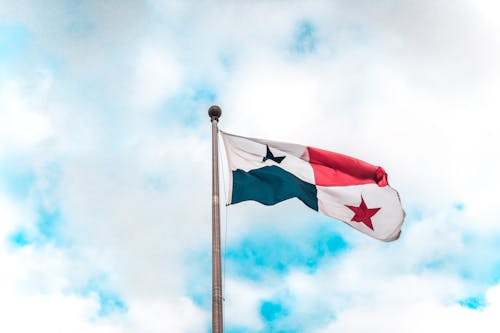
[{"x": 217, "y": 325}]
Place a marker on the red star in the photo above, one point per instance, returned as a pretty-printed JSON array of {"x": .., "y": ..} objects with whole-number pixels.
[{"x": 363, "y": 214}]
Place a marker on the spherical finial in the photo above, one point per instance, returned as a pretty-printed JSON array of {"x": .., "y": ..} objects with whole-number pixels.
[{"x": 214, "y": 112}]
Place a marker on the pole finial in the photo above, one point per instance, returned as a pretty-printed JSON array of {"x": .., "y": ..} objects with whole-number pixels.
[{"x": 214, "y": 112}]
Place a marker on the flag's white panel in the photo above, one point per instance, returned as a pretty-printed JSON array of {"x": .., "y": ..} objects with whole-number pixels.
[
  {"x": 332, "y": 201},
  {"x": 247, "y": 154},
  {"x": 289, "y": 148}
]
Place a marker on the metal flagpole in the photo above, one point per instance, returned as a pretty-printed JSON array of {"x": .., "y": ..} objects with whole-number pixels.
[{"x": 217, "y": 325}]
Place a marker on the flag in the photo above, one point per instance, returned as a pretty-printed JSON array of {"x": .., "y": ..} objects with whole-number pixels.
[{"x": 342, "y": 187}]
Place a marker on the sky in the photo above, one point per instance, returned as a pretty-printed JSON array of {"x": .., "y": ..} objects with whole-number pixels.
[{"x": 105, "y": 164}]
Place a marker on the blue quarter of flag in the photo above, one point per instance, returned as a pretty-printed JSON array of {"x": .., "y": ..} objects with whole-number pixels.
[{"x": 270, "y": 185}]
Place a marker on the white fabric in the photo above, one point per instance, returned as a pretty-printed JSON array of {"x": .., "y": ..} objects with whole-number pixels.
[{"x": 332, "y": 201}]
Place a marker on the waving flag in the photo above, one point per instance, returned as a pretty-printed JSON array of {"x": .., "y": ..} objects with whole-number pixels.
[{"x": 336, "y": 185}]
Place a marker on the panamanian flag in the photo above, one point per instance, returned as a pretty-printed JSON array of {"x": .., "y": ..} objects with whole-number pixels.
[{"x": 343, "y": 187}]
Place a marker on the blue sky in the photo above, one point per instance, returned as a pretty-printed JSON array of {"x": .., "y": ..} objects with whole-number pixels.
[{"x": 105, "y": 164}]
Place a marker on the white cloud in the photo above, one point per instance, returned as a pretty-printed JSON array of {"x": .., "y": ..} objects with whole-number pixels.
[
  {"x": 242, "y": 303},
  {"x": 423, "y": 316},
  {"x": 38, "y": 293},
  {"x": 158, "y": 76},
  {"x": 21, "y": 126},
  {"x": 31, "y": 286},
  {"x": 173, "y": 315}
]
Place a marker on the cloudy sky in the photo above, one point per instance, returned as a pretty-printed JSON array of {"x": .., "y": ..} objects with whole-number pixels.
[{"x": 105, "y": 164}]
